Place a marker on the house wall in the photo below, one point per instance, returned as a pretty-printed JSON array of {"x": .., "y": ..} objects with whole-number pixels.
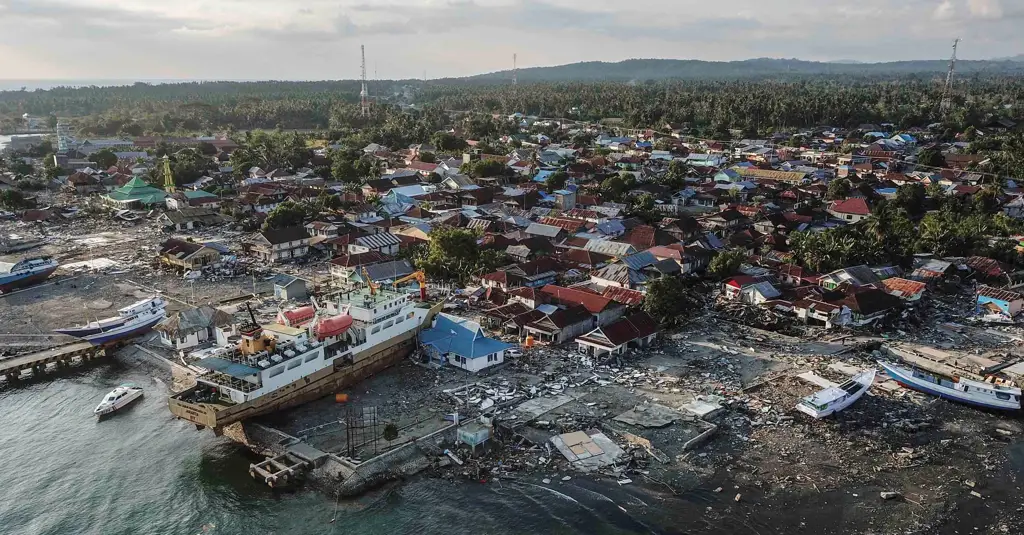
[
  {"x": 186, "y": 342},
  {"x": 850, "y": 218},
  {"x": 1010, "y": 308},
  {"x": 477, "y": 364},
  {"x": 610, "y": 314}
]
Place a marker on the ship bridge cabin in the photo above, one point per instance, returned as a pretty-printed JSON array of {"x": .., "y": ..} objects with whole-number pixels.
[{"x": 374, "y": 313}]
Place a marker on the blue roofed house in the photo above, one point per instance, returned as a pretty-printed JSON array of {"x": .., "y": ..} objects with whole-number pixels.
[{"x": 461, "y": 343}]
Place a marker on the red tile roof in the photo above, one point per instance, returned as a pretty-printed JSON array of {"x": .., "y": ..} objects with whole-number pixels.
[
  {"x": 854, "y": 206},
  {"x": 903, "y": 287},
  {"x": 626, "y": 330},
  {"x": 570, "y": 225},
  {"x": 594, "y": 303},
  {"x": 625, "y": 296}
]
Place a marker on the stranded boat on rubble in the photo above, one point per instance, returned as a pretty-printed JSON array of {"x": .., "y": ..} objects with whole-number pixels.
[
  {"x": 130, "y": 321},
  {"x": 834, "y": 399},
  {"x": 990, "y": 393},
  {"x": 357, "y": 334},
  {"x": 25, "y": 273}
]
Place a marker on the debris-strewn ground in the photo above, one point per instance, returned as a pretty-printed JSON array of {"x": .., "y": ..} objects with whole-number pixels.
[{"x": 766, "y": 467}]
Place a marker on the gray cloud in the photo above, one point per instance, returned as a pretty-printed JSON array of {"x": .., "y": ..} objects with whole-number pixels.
[{"x": 319, "y": 38}]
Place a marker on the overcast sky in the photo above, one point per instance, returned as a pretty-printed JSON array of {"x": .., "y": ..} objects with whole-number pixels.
[{"x": 319, "y": 39}]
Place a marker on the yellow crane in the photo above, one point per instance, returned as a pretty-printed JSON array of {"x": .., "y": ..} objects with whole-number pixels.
[
  {"x": 419, "y": 277},
  {"x": 369, "y": 282}
]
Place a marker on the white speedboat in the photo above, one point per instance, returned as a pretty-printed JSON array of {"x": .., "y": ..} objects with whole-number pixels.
[
  {"x": 118, "y": 399},
  {"x": 836, "y": 398}
]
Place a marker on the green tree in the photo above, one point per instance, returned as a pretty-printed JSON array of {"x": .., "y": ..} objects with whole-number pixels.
[
  {"x": 484, "y": 168},
  {"x": 931, "y": 158},
  {"x": 206, "y": 148},
  {"x": 556, "y": 180},
  {"x": 287, "y": 214},
  {"x": 447, "y": 142},
  {"x": 454, "y": 254},
  {"x": 839, "y": 188},
  {"x": 670, "y": 302},
  {"x": 13, "y": 199},
  {"x": 911, "y": 197},
  {"x": 104, "y": 158},
  {"x": 727, "y": 263},
  {"x": 428, "y": 157},
  {"x": 390, "y": 432}
]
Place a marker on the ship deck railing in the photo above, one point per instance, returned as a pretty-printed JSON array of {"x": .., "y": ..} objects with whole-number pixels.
[{"x": 234, "y": 383}]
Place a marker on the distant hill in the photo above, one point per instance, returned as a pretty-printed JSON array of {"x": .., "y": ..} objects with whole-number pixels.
[
  {"x": 663, "y": 69},
  {"x": 1018, "y": 57}
]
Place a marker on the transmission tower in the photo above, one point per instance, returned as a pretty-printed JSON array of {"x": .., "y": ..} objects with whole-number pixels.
[
  {"x": 364, "y": 94},
  {"x": 515, "y": 69},
  {"x": 947, "y": 92}
]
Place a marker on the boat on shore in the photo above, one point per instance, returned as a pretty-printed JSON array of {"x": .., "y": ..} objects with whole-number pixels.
[
  {"x": 989, "y": 393},
  {"x": 118, "y": 399},
  {"x": 25, "y": 273},
  {"x": 130, "y": 321},
  {"x": 357, "y": 333},
  {"x": 836, "y": 398}
]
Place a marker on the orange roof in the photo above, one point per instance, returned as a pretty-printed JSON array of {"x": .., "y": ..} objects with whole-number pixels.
[{"x": 903, "y": 287}]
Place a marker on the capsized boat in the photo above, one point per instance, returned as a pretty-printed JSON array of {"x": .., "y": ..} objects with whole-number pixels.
[
  {"x": 25, "y": 273},
  {"x": 990, "y": 393},
  {"x": 130, "y": 321},
  {"x": 836, "y": 398},
  {"x": 118, "y": 399}
]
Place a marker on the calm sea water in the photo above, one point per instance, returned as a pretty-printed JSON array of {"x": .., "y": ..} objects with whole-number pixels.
[{"x": 142, "y": 472}]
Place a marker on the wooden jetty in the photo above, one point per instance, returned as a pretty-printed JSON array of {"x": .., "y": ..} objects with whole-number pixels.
[{"x": 55, "y": 358}]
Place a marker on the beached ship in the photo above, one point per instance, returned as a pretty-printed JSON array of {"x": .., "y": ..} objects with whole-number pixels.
[
  {"x": 355, "y": 334},
  {"x": 836, "y": 398},
  {"x": 987, "y": 392},
  {"x": 130, "y": 321},
  {"x": 25, "y": 273}
]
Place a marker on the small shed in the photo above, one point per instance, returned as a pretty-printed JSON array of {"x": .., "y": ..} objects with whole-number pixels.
[{"x": 287, "y": 287}]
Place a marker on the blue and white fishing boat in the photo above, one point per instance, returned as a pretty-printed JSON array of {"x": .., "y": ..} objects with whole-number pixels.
[
  {"x": 991, "y": 393},
  {"x": 25, "y": 273},
  {"x": 130, "y": 321}
]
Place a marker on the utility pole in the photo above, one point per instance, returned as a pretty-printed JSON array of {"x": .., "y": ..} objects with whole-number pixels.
[
  {"x": 364, "y": 94},
  {"x": 947, "y": 91}
]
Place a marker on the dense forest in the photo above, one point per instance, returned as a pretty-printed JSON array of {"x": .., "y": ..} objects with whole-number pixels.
[
  {"x": 710, "y": 107},
  {"x": 680, "y": 69}
]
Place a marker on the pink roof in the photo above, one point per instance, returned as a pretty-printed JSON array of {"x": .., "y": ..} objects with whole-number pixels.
[{"x": 855, "y": 206}]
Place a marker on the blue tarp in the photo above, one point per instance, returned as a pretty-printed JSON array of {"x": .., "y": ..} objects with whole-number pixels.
[
  {"x": 234, "y": 369},
  {"x": 451, "y": 334},
  {"x": 542, "y": 176}
]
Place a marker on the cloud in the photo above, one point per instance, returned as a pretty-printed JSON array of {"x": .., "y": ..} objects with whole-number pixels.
[
  {"x": 987, "y": 9},
  {"x": 945, "y": 11},
  {"x": 255, "y": 39}
]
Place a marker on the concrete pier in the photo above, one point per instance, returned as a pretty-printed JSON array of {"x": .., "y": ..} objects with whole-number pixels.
[{"x": 53, "y": 359}]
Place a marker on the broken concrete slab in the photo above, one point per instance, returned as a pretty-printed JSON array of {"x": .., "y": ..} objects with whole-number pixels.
[
  {"x": 816, "y": 379},
  {"x": 587, "y": 450},
  {"x": 703, "y": 409},
  {"x": 844, "y": 368},
  {"x": 650, "y": 415}
]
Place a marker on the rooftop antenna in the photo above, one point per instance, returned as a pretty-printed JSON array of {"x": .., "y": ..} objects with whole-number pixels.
[
  {"x": 515, "y": 69},
  {"x": 364, "y": 94},
  {"x": 947, "y": 91}
]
